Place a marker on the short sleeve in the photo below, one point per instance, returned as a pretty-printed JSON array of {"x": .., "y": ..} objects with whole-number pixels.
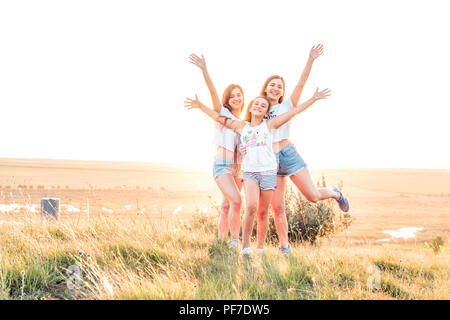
[
  {"x": 227, "y": 113},
  {"x": 279, "y": 109},
  {"x": 285, "y": 106}
]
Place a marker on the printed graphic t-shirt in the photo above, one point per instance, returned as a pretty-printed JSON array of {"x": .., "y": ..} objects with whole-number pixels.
[
  {"x": 259, "y": 155},
  {"x": 284, "y": 131}
]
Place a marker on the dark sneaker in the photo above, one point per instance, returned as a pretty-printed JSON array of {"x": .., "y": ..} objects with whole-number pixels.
[
  {"x": 286, "y": 250},
  {"x": 343, "y": 202}
]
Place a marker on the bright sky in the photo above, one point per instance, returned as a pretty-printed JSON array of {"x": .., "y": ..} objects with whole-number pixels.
[{"x": 106, "y": 80}]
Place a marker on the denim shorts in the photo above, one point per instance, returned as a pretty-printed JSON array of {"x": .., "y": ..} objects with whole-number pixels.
[
  {"x": 225, "y": 166},
  {"x": 267, "y": 180},
  {"x": 289, "y": 161}
]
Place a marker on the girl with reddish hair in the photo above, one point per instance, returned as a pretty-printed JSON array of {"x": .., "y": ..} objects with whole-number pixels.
[
  {"x": 290, "y": 163},
  {"x": 259, "y": 165},
  {"x": 226, "y": 168}
]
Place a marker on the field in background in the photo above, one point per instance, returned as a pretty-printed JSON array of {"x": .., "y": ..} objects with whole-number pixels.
[
  {"x": 381, "y": 199},
  {"x": 145, "y": 231}
]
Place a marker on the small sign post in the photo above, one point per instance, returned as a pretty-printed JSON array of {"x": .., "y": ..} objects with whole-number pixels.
[{"x": 50, "y": 208}]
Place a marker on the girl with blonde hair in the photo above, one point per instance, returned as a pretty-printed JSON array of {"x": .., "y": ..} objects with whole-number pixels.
[{"x": 259, "y": 164}]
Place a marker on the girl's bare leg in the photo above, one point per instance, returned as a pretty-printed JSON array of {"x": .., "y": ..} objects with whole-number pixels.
[
  {"x": 302, "y": 179},
  {"x": 224, "y": 226},
  {"x": 263, "y": 216},
  {"x": 230, "y": 204},
  {"x": 279, "y": 210},
  {"x": 251, "y": 189},
  {"x": 234, "y": 217}
]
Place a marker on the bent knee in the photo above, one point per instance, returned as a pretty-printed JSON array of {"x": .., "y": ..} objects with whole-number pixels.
[
  {"x": 236, "y": 201},
  {"x": 225, "y": 205},
  {"x": 263, "y": 214},
  {"x": 251, "y": 209},
  {"x": 279, "y": 210},
  {"x": 314, "y": 197}
]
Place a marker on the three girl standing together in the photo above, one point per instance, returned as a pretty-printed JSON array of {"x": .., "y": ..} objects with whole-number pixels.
[{"x": 268, "y": 156}]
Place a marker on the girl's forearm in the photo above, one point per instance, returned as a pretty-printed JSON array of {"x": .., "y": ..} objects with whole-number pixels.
[
  {"x": 212, "y": 90},
  {"x": 225, "y": 121},
  {"x": 305, "y": 105},
  {"x": 210, "y": 112},
  {"x": 285, "y": 117},
  {"x": 295, "y": 97}
]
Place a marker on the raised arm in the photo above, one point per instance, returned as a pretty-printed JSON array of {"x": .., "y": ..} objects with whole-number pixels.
[
  {"x": 315, "y": 52},
  {"x": 227, "y": 122},
  {"x": 278, "y": 121},
  {"x": 201, "y": 63}
]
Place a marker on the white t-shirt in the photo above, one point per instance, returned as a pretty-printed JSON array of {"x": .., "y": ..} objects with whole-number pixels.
[
  {"x": 259, "y": 155},
  {"x": 284, "y": 131},
  {"x": 223, "y": 136}
]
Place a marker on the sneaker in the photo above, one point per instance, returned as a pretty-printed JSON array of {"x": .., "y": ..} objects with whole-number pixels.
[
  {"x": 286, "y": 250},
  {"x": 343, "y": 202},
  {"x": 234, "y": 244},
  {"x": 247, "y": 251}
]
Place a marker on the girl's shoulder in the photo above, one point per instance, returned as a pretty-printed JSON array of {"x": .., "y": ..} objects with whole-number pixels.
[
  {"x": 264, "y": 123},
  {"x": 280, "y": 107},
  {"x": 224, "y": 111},
  {"x": 246, "y": 125}
]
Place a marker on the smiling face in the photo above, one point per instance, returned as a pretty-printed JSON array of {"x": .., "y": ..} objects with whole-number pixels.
[
  {"x": 233, "y": 98},
  {"x": 275, "y": 89},
  {"x": 260, "y": 107},
  {"x": 236, "y": 100}
]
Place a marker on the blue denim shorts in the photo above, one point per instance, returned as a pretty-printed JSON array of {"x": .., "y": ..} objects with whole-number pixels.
[
  {"x": 225, "y": 166},
  {"x": 267, "y": 180},
  {"x": 289, "y": 161}
]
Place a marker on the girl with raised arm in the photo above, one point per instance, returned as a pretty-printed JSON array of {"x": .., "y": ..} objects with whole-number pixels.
[
  {"x": 226, "y": 168},
  {"x": 259, "y": 165},
  {"x": 290, "y": 163}
]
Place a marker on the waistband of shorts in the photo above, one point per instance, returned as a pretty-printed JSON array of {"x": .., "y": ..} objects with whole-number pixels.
[
  {"x": 288, "y": 146},
  {"x": 220, "y": 160},
  {"x": 263, "y": 173}
]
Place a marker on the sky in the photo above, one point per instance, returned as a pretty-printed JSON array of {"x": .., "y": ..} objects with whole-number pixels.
[{"x": 106, "y": 80}]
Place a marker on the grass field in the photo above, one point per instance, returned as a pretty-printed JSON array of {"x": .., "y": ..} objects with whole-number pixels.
[
  {"x": 141, "y": 231},
  {"x": 138, "y": 258}
]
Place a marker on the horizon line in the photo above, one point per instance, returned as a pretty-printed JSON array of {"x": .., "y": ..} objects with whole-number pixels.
[{"x": 203, "y": 166}]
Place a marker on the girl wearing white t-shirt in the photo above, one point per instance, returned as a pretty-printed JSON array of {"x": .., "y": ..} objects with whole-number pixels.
[
  {"x": 226, "y": 167},
  {"x": 259, "y": 165},
  {"x": 290, "y": 163}
]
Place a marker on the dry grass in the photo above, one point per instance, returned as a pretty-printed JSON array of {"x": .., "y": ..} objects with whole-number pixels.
[
  {"x": 158, "y": 255},
  {"x": 136, "y": 258}
]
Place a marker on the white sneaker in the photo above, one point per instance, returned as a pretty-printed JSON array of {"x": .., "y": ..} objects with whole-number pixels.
[
  {"x": 234, "y": 244},
  {"x": 247, "y": 251}
]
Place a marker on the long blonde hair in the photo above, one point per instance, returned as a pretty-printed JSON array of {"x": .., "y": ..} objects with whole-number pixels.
[
  {"x": 226, "y": 96},
  {"x": 263, "y": 91}
]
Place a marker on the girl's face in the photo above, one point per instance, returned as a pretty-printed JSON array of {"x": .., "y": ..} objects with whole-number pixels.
[
  {"x": 236, "y": 99},
  {"x": 260, "y": 107},
  {"x": 275, "y": 89}
]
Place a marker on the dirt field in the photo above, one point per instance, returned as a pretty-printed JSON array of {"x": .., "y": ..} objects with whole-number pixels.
[{"x": 380, "y": 199}]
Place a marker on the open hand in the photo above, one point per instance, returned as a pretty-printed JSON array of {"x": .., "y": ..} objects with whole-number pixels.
[
  {"x": 321, "y": 94},
  {"x": 316, "y": 51},
  {"x": 192, "y": 103},
  {"x": 197, "y": 61}
]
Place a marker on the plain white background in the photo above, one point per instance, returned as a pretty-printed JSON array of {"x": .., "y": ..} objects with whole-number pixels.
[{"x": 106, "y": 80}]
